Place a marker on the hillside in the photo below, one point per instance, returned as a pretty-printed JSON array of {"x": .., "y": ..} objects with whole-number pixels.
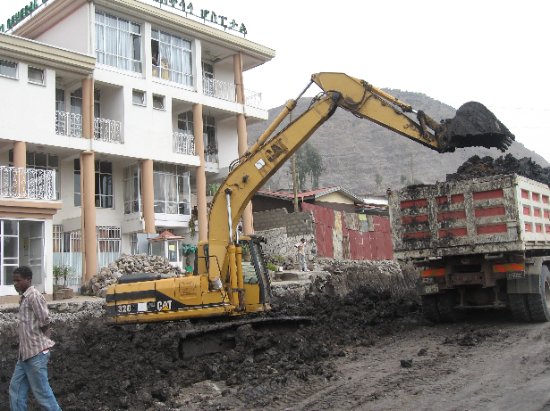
[{"x": 355, "y": 150}]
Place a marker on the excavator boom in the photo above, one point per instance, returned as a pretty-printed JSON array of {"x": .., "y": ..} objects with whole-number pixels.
[{"x": 360, "y": 98}]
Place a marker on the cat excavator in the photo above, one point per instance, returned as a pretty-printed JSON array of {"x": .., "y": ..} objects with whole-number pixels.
[{"x": 226, "y": 284}]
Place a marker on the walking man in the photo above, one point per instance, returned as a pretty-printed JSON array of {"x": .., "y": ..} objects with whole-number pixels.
[
  {"x": 31, "y": 370},
  {"x": 301, "y": 246}
]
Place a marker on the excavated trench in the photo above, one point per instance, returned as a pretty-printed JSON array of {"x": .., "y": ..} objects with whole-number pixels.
[{"x": 96, "y": 366}]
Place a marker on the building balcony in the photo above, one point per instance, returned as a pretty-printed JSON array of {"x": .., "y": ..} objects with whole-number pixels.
[
  {"x": 70, "y": 124},
  {"x": 211, "y": 154},
  {"x": 252, "y": 98},
  {"x": 219, "y": 89},
  {"x": 184, "y": 143},
  {"x": 108, "y": 130},
  {"x": 226, "y": 91},
  {"x": 29, "y": 183}
]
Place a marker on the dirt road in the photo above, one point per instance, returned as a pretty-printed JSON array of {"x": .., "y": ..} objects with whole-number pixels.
[
  {"x": 488, "y": 364},
  {"x": 366, "y": 349}
]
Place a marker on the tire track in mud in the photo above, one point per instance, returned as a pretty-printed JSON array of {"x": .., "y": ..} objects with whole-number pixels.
[{"x": 455, "y": 374}]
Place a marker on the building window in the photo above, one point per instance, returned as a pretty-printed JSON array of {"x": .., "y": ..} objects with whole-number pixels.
[
  {"x": 185, "y": 125},
  {"x": 76, "y": 183},
  {"x": 9, "y": 236},
  {"x": 57, "y": 237},
  {"x": 118, "y": 42},
  {"x": 109, "y": 244},
  {"x": 138, "y": 97},
  {"x": 103, "y": 184},
  {"x": 59, "y": 99},
  {"x": 76, "y": 102},
  {"x": 172, "y": 189},
  {"x": 208, "y": 76},
  {"x": 171, "y": 58},
  {"x": 8, "y": 68},
  {"x": 36, "y": 76},
  {"x": 132, "y": 192},
  {"x": 158, "y": 102},
  {"x": 134, "y": 243}
]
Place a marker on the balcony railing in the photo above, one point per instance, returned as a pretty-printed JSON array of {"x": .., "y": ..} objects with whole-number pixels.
[
  {"x": 252, "y": 98},
  {"x": 70, "y": 124},
  {"x": 226, "y": 91},
  {"x": 29, "y": 183},
  {"x": 184, "y": 143},
  {"x": 211, "y": 154},
  {"x": 219, "y": 89},
  {"x": 108, "y": 130}
]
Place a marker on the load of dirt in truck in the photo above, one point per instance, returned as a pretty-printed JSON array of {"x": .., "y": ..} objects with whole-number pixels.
[
  {"x": 475, "y": 126},
  {"x": 476, "y": 167}
]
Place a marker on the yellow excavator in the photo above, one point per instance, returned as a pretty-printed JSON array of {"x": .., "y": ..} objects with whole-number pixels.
[{"x": 226, "y": 284}]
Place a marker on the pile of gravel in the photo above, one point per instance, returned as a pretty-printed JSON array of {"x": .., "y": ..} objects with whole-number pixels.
[{"x": 128, "y": 265}]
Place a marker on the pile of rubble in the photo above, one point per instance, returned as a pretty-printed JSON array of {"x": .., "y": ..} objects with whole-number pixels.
[
  {"x": 131, "y": 264},
  {"x": 476, "y": 167}
]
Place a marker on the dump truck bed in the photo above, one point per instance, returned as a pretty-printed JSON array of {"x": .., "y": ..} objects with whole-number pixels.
[{"x": 486, "y": 215}]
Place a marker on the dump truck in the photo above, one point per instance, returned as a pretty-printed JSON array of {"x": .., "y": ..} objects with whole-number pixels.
[{"x": 477, "y": 243}]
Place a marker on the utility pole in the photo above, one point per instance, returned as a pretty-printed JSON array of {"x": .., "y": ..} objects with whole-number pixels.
[
  {"x": 294, "y": 183},
  {"x": 294, "y": 175}
]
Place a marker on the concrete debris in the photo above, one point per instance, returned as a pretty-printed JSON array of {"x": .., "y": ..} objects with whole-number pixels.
[{"x": 127, "y": 265}]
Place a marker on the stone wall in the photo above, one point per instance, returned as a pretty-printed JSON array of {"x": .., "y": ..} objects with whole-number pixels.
[
  {"x": 283, "y": 230},
  {"x": 296, "y": 224}
]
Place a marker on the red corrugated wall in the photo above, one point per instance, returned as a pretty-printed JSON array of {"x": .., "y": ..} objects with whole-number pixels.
[{"x": 357, "y": 245}]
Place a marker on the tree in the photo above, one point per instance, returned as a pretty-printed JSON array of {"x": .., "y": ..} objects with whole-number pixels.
[
  {"x": 309, "y": 164},
  {"x": 378, "y": 179}
]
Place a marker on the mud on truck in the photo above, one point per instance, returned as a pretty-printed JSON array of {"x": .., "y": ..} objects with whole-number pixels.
[{"x": 478, "y": 243}]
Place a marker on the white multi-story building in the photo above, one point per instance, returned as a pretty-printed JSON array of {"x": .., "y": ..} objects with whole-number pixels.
[{"x": 117, "y": 115}]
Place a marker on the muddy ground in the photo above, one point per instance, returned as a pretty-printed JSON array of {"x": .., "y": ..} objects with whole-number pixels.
[{"x": 365, "y": 348}]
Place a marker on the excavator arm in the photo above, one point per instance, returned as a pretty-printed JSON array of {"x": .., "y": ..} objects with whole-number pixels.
[{"x": 272, "y": 150}]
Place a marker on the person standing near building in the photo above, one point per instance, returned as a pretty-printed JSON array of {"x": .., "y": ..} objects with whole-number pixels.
[
  {"x": 301, "y": 248},
  {"x": 31, "y": 370}
]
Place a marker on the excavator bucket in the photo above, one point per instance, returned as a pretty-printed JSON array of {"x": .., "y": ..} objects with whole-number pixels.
[{"x": 474, "y": 126}]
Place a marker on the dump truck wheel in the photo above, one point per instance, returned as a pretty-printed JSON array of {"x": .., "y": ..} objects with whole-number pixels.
[
  {"x": 446, "y": 304},
  {"x": 519, "y": 307},
  {"x": 429, "y": 308},
  {"x": 538, "y": 303}
]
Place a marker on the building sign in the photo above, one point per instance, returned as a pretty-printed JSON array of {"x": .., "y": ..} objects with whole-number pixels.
[
  {"x": 207, "y": 16},
  {"x": 21, "y": 15}
]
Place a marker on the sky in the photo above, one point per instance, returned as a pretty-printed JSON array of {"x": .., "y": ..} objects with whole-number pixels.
[{"x": 490, "y": 51}]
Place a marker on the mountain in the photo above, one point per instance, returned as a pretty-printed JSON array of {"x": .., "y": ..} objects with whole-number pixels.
[{"x": 357, "y": 152}]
